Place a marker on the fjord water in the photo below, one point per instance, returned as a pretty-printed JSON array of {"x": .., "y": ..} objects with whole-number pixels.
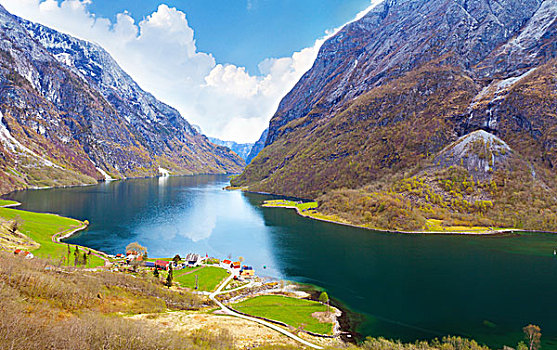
[{"x": 405, "y": 287}]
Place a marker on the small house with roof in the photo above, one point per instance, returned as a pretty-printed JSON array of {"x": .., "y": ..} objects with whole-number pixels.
[
  {"x": 193, "y": 260},
  {"x": 247, "y": 271},
  {"x": 162, "y": 264}
]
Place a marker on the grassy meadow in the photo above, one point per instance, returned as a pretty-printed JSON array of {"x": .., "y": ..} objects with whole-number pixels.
[
  {"x": 292, "y": 311},
  {"x": 41, "y": 227},
  {"x": 208, "y": 277}
]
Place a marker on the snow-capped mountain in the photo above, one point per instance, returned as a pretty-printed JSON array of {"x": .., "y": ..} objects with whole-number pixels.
[{"x": 68, "y": 101}]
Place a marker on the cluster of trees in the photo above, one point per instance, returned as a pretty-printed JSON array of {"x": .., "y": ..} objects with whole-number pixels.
[
  {"x": 450, "y": 195},
  {"x": 79, "y": 258}
]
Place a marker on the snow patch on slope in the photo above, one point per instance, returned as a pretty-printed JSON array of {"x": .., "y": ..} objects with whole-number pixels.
[
  {"x": 508, "y": 83},
  {"x": 499, "y": 88},
  {"x": 106, "y": 176},
  {"x": 13, "y": 145}
]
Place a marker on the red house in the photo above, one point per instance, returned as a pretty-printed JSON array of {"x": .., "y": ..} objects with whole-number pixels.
[{"x": 161, "y": 264}]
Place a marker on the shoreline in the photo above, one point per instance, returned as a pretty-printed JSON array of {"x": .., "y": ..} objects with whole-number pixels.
[
  {"x": 13, "y": 205},
  {"x": 107, "y": 181},
  {"x": 60, "y": 236},
  {"x": 500, "y": 232},
  {"x": 58, "y": 239},
  {"x": 346, "y": 321}
]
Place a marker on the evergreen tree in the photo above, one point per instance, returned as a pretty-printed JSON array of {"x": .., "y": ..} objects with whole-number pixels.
[
  {"x": 156, "y": 272},
  {"x": 170, "y": 276},
  {"x": 76, "y": 256}
]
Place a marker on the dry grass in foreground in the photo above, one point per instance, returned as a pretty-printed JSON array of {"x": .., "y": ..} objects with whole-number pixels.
[{"x": 47, "y": 307}]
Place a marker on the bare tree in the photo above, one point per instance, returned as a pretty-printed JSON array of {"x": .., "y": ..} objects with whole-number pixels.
[
  {"x": 137, "y": 248},
  {"x": 533, "y": 336}
]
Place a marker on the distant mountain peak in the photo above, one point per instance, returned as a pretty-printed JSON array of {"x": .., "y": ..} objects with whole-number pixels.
[{"x": 241, "y": 149}]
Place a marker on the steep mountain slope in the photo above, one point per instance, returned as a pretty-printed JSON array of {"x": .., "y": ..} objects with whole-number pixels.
[
  {"x": 258, "y": 146},
  {"x": 241, "y": 149},
  {"x": 70, "y": 116},
  {"x": 389, "y": 92}
]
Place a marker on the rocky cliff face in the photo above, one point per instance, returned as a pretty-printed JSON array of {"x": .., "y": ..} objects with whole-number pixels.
[
  {"x": 479, "y": 153},
  {"x": 77, "y": 117},
  {"x": 389, "y": 92},
  {"x": 257, "y": 147},
  {"x": 401, "y": 35}
]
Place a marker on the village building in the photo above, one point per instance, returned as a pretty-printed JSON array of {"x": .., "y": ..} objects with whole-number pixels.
[
  {"x": 247, "y": 271},
  {"x": 227, "y": 264},
  {"x": 162, "y": 264},
  {"x": 25, "y": 254},
  {"x": 193, "y": 260}
]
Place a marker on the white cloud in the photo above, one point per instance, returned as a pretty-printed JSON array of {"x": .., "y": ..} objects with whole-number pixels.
[{"x": 160, "y": 53}]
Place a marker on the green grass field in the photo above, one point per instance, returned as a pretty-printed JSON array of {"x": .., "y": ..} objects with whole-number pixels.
[
  {"x": 40, "y": 228},
  {"x": 5, "y": 202},
  {"x": 209, "y": 277},
  {"x": 291, "y": 311},
  {"x": 281, "y": 203},
  {"x": 306, "y": 209}
]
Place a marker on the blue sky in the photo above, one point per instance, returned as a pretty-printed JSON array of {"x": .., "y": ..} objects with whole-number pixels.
[
  {"x": 224, "y": 64},
  {"x": 243, "y": 32}
]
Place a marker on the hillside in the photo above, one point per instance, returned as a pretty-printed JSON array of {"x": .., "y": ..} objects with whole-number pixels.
[
  {"x": 48, "y": 307},
  {"x": 390, "y": 92},
  {"x": 69, "y": 115}
]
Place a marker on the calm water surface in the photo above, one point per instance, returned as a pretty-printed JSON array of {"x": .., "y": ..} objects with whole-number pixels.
[{"x": 405, "y": 287}]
